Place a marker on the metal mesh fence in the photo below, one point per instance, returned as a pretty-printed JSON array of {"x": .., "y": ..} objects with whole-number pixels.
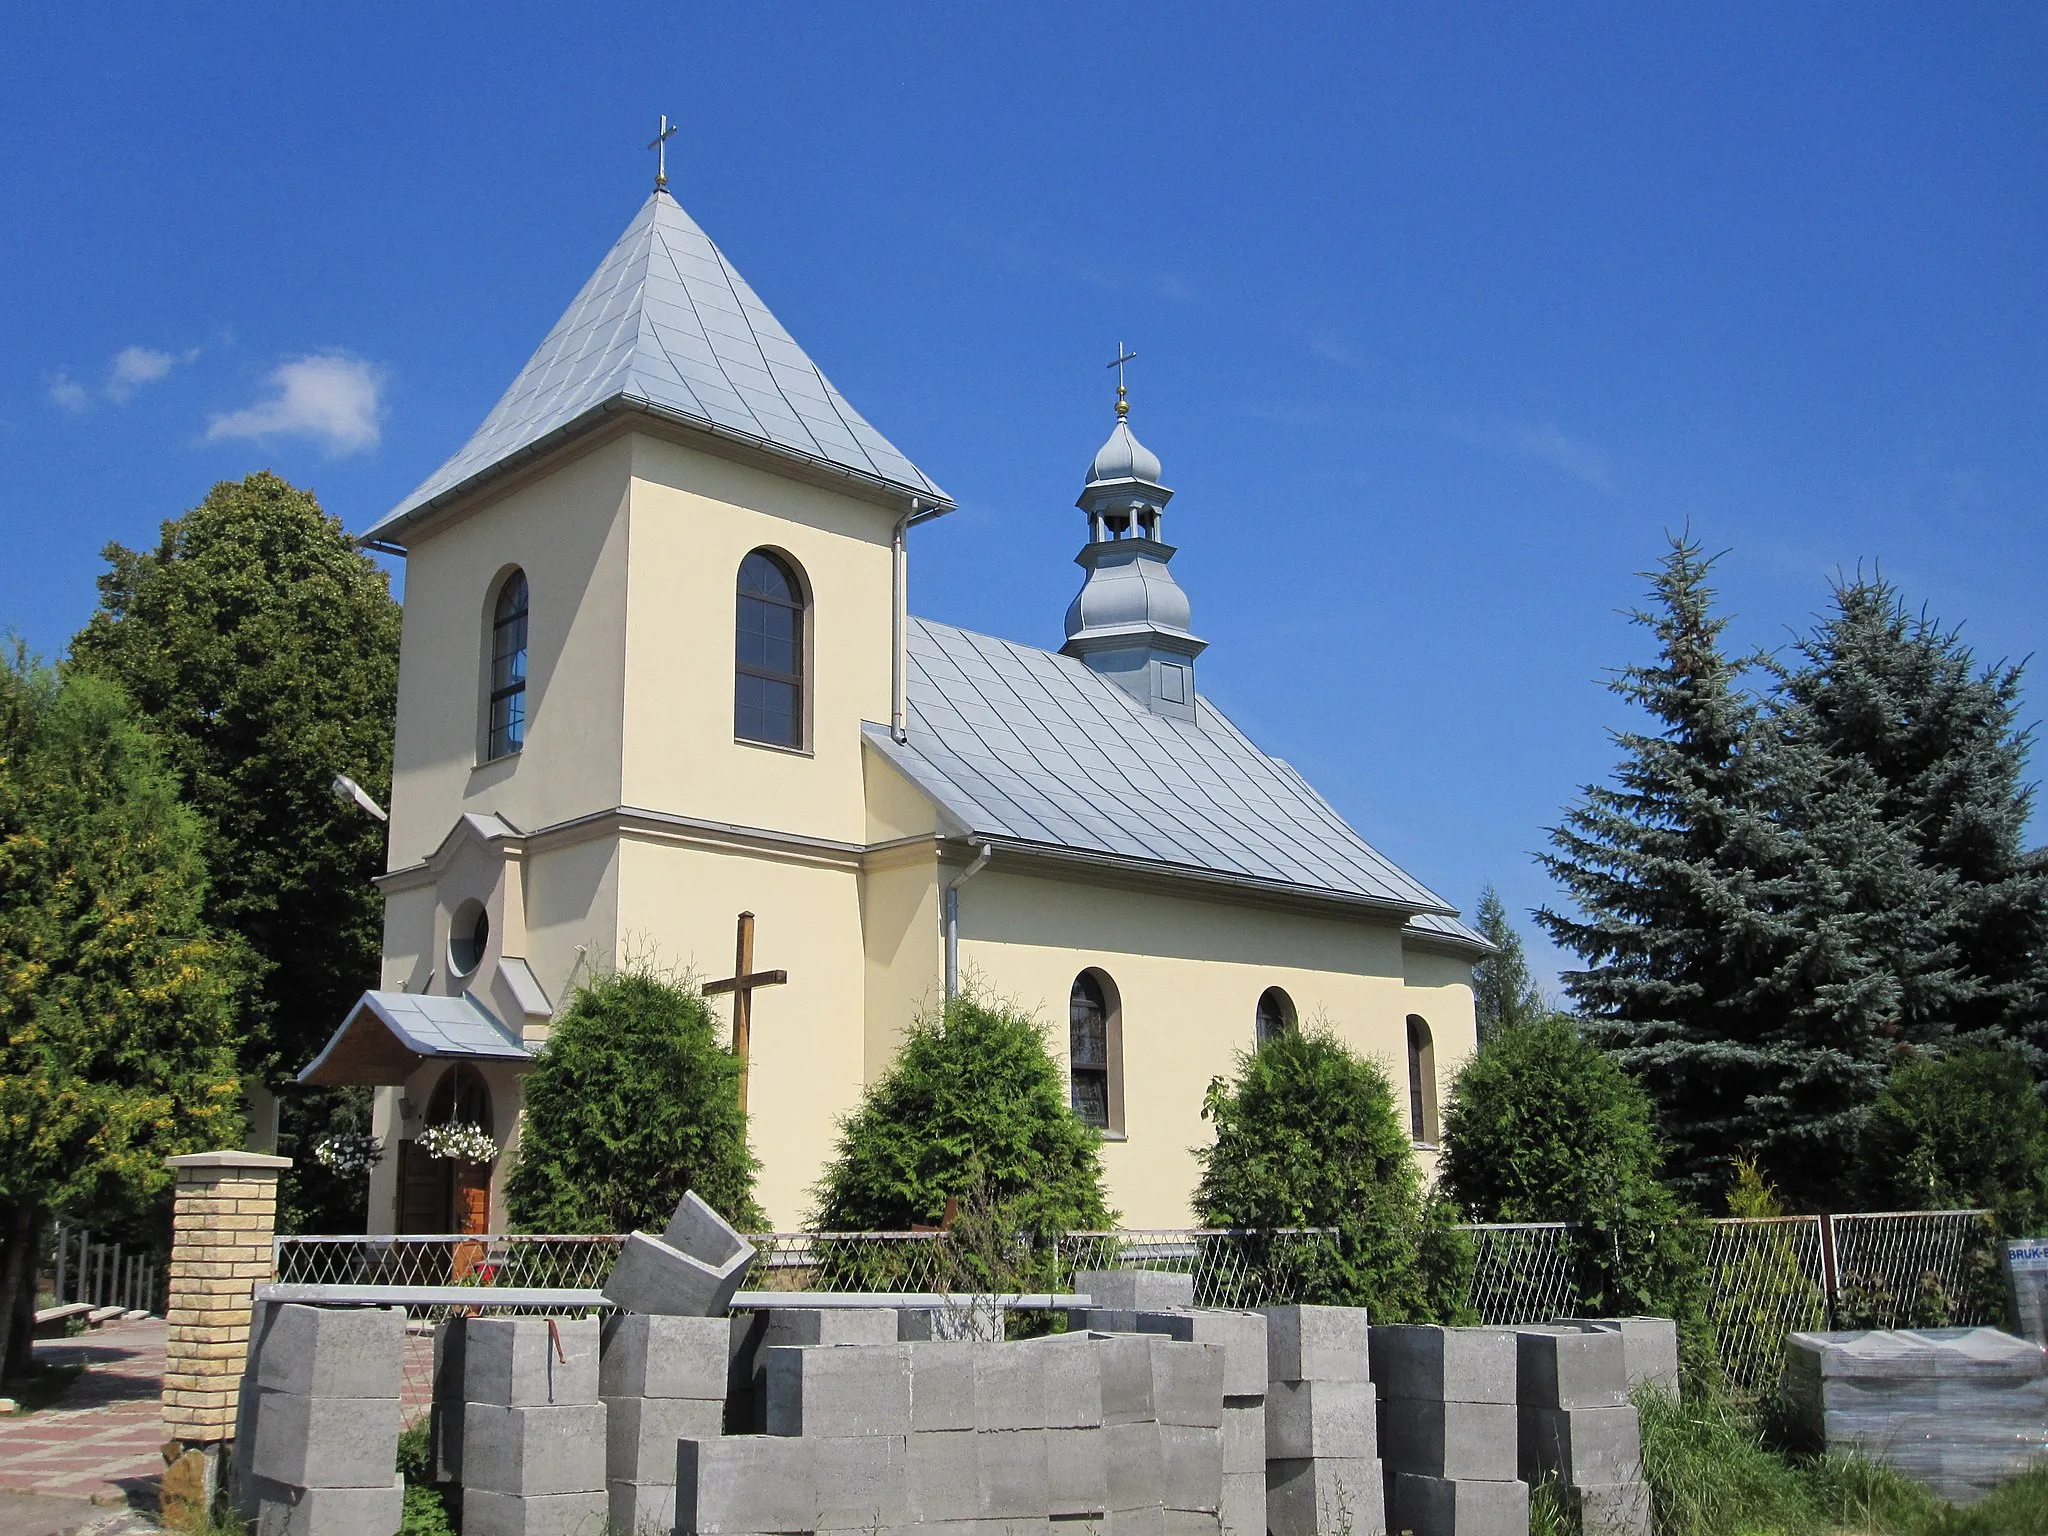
[
  {"x": 1767, "y": 1279},
  {"x": 1522, "y": 1273},
  {"x": 1914, "y": 1269}
]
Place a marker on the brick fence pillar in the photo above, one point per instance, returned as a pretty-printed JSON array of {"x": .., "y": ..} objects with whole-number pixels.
[{"x": 221, "y": 1230}]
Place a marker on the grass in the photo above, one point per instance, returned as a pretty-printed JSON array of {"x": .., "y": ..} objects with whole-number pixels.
[{"x": 1714, "y": 1473}]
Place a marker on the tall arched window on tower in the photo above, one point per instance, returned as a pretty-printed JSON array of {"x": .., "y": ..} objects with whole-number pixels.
[
  {"x": 1275, "y": 1015},
  {"x": 1095, "y": 1051},
  {"x": 506, "y": 732},
  {"x": 1421, "y": 1082},
  {"x": 768, "y": 687}
]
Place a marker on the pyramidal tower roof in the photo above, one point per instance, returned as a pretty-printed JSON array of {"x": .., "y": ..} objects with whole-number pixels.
[{"x": 666, "y": 326}]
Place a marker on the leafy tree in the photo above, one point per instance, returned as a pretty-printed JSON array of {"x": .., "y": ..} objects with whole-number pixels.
[
  {"x": 1898, "y": 698},
  {"x": 1960, "y": 1131},
  {"x": 262, "y": 645},
  {"x": 1308, "y": 1136},
  {"x": 1504, "y": 994},
  {"x": 1680, "y": 873},
  {"x": 974, "y": 1108},
  {"x": 116, "y": 1000},
  {"x": 632, "y": 1103},
  {"x": 1542, "y": 1125}
]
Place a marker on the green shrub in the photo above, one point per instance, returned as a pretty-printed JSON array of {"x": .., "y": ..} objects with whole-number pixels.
[
  {"x": 1308, "y": 1136},
  {"x": 632, "y": 1103},
  {"x": 973, "y": 1110},
  {"x": 1962, "y": 1130},
  {"x": 1542, "y": 1125}
]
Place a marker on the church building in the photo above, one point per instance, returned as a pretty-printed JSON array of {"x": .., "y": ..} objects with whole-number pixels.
[{"x": 657, "y": 672}]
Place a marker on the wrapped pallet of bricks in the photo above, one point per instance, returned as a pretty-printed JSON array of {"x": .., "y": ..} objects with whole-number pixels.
[
  {"x": 533, "y": 1428},
  {"x": 1577, "y": 1428},
  {"x": 1958, "y": 1409},
  {"x": 1447, "y": 1430},
  {"x": 324, "y": 1457}
]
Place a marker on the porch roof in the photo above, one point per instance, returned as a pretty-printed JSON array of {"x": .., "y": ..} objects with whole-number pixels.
[{"x": 388, "y": 1034}]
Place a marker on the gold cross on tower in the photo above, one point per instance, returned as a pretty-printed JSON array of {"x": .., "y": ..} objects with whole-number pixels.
[
  {"x": 659, "y": 144},
  {"x": 741, "y": 985},
  {"x": 1123, "y": 404}
]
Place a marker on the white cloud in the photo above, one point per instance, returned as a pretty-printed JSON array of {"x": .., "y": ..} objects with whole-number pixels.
[
  {"x": 134, "y": 367},
  {"x": 1574, "y": 455},
  {"x": 330, "y": 397},
  {"x": 69, "y": 393}
]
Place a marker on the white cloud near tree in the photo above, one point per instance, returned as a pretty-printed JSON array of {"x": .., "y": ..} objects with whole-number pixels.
[
  {"x": 330, "y": 397},
  {"x": 130, "y": 370}
]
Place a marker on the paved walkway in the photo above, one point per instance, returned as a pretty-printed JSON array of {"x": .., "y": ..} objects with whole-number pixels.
[{"x": 102, "y": 1440}]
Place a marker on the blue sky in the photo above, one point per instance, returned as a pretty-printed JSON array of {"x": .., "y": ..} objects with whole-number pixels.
[{"x": 1445, "y": 313}]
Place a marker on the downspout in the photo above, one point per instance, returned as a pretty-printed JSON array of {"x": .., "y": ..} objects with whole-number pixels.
[
  {"x": 899, "y": 624},
  {"x": 981, "y": 857}
]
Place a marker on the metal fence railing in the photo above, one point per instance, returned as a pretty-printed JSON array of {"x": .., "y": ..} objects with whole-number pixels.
[{"x": 1767, "y": 1277}]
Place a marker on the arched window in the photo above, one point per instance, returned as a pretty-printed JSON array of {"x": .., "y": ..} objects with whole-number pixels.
[
  {"x": 1421, "y": 1082},
  {"x": 1095, "y": 1051},
  {"x": 1275, "y": 1016},
  {"x": 768, "y": 691},
  {"x": 462, "y": 1097},
  {"x": 507, "y": 733}
]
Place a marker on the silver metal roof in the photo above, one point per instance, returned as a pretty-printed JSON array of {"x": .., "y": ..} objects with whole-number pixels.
[
  {"x": 1033, "y": 748},
  {"x": 422, "y": 1024},
  {"x": 667, "y": 324}
]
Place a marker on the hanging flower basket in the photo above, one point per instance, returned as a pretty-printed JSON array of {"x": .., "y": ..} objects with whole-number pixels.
[
  {"x": 462, "y": 1143},
  {"x": 350, "y": 1154}
]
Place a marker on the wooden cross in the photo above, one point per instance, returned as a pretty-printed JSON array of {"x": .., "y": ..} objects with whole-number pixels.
[
  {"x": 1123, "y": 404},
  {"x": 741, "y": 985},
  {"x": 660, "y": 147}
]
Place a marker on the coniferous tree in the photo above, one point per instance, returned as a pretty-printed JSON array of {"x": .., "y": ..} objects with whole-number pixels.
[
  {"x": 1504, "y": 995},
  {"x": 116, "y": 999},
  {"x": 1680, "y": 874}
]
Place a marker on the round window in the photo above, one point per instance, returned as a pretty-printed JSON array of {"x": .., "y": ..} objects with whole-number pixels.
[{"x": 469, "y": 933}]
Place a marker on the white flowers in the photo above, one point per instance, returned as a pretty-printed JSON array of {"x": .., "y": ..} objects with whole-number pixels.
[
  {"x": 463, "y": 1143},
  {"x": 350, "y": 1154}
]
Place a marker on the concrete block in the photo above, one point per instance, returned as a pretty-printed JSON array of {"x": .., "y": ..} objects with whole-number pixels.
[
  {"x": 1242, "y": 1335},
  {"x": 640, "y": 1355},
  {"x": 1135, "y": 1290},
  {"x": 444, "y": 1424},
  {"x": 1125, "y": 1360},
  {"x": 1135, "y": 1460},
  {"x": 860, "y": 1482},
  {"x": 1190, "y": 1522},
  {"x": 1610, "y": 1509},
  {"x": 1009, "y": 1387},
  {"x": 944, "y": 1476},
  {"x": 1580, "y": 1445},
  {"x": 640, "y": 1434},
  {"x": 283, "y": 1510},
  {"x": 1149, "y": 1520},
  {"x": 1317, "y": 1344},
  {"x": 838, "y": 1389},
  {"x": 941, "y": 1385},
  {"x": 705, "y": 1236},
  {"x": 830, "y": 1325},
  {"x": 1324, "y": 1496},
  {"x": 1076, "y": 1472},
  {"x": 1440, "y": 1506},
  {"x": 326, "y": 1442},
  {"x": 1187, "y": 1383},
  {"x": 333, "y": 1351},
  {"x": 530, "y": 1362},
  {"x": 1073, "y": 1380},
  {"x": 1013, "y": 1481},
  {"x": 1649, "y": 1347},
  {"x": 1244, "y": 1436},
  {"x": 642, "y": 1509},
  {"x": 529, "y": 1451},
  {"x": 743, "y": 1485},
  {"x": 650, "y": 1276},
  {"x": 1243, "y": 1510},
  {"x": 1101, "y": 1320},
  {"x": 1460, "y": 1365},
  {"x": 1454, "y": 1440},
  {"x": 543, "y": 1514},
  {"x": 1580, "y": 1369},
  {"x": 980, "y": 1319},
  {"x": 1191, "y": 1467},
  {"x": 1321, "y": 1418}
]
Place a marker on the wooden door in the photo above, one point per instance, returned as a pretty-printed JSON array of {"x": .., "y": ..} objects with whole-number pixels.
[{"x": 472, "y": 1191}]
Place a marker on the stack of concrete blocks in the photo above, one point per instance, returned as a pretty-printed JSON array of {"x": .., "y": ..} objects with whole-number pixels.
[
  {"x": 1447, "y": 1430},
  {"x": 1649, "y": 1348},
  {"x": 661, "y": 1380},
  {"x": 1958, "y": 1409},
  {"x": 1577, "y": 1428},
  {"x": 750, "y": 1335},
  {"x": 1242, "y": 1338},
  {"x": 1323, "y": 1471},
  {"x": 323, "y": 1456},
  {"x": 533, "y": 1429}
]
